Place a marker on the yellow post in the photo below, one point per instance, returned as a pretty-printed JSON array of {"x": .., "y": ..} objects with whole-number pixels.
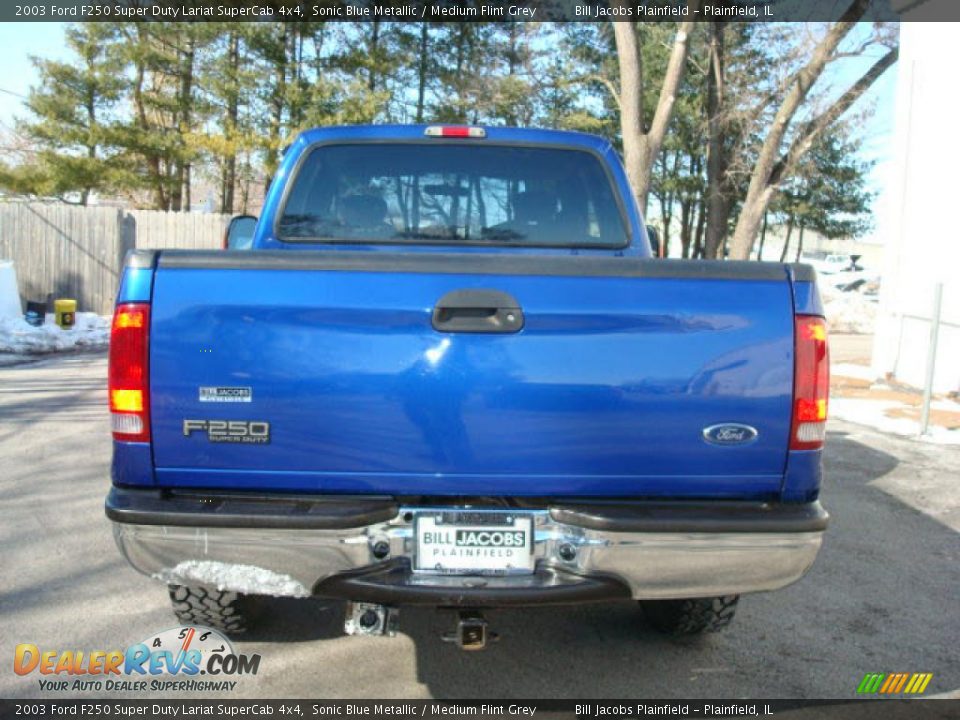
[{"x": 66, "y": 312}]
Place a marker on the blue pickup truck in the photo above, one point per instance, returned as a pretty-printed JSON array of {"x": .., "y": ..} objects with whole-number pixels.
[{"x": 450, "y": 373}]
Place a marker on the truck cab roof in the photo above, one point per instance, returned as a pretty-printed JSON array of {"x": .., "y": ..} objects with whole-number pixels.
[{"x": 533, "y": 136}]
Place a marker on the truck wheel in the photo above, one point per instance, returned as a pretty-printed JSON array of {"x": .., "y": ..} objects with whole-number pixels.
[
  {"x": 691, "y": 616},
  {"x": 230, "y": 612}
]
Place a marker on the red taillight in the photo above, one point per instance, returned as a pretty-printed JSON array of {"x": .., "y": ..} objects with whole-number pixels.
[
  {"x": 811, "y": 384},
  {"x": 128, "y": 378},
  {"x": 454, "y": 131}
]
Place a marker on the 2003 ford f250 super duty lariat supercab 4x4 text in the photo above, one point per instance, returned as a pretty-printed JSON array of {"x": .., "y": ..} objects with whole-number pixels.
[{"x": 449, "y": 373}]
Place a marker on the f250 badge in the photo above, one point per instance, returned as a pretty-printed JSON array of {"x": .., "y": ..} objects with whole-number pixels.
[
  {"x": 252, "y": 432},
  {"x": 729, "y": 434}
]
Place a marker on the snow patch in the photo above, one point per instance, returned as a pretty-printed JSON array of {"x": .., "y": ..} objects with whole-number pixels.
[
  {"x": 850, "y": 370},
  {"x": 247, "y": 579},
  {"x": 848, "y": 312},
  {"x": 17, "y": 336},
  {"x": 873, "y": 413},
  {"x": 9, "y": 297}
]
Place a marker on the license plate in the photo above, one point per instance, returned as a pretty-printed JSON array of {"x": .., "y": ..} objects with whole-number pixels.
[{"x": 494, "y": 544}]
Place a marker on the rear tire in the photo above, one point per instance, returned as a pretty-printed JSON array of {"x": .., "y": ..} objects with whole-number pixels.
[
  {"x": 692, "y": 616},
  {"x": 230, "y": 612}
]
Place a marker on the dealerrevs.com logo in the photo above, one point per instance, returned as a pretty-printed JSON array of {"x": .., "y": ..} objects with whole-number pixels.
[{"x": 188, "y": 658}]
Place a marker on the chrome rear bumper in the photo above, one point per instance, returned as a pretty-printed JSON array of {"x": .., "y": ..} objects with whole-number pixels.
[{"x": 607, "y": 563}]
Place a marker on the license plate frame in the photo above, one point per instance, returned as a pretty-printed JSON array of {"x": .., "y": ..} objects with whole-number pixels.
[{"x": 458, "y": 553}]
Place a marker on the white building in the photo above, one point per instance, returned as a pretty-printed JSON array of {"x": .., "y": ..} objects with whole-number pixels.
[{"x": 921, "y": 205}]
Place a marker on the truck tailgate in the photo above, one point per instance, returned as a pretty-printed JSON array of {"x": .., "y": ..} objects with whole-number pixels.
[{"x": 607, "y": 389}]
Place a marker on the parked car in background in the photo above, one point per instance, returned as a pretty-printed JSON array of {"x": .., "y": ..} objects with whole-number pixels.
[{"x": 831, "y": 263}]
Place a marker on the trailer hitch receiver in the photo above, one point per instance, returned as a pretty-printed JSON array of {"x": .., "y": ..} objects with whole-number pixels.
[{"x": 472, "y": 631}]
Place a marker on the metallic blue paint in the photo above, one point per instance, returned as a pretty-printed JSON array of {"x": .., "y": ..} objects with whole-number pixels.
[
  {"x": 136, "y": 285},
  {"x": 132, "y": 464},
  {"x": 758, "y": 487},
  {"x": 806, "y": 299},
  {"x": 605, "y": 391},
  {"x": 801, "y": 483}
]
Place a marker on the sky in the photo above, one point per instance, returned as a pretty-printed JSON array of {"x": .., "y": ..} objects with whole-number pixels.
[
  {"x": 877, "y": 135},
  {"x": 19, "y": 40}
]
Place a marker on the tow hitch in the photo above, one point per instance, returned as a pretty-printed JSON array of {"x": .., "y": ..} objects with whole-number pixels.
[{"x": 471, "y": 632}]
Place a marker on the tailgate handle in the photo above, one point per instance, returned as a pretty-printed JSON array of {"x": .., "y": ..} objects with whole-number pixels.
[{"x": 478, "y": 311}]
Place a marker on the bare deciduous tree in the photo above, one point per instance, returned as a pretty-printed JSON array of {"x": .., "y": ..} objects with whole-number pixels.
[
  {"x": 642, "y": 143},
  {"x": 772, "y": 163},
  {"x": 718, "y": 201}
]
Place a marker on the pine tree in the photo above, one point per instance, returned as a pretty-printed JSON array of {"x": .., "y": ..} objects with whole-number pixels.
[
  {"x": 828, "y": 195},
  {"x": 159, "y": 141},
  {"x": 226, "y": 82},
  {"x": 465, "y": 52},
  {"x": 71, "y": 112}
]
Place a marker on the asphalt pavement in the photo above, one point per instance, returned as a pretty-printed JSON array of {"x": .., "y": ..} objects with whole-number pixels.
[{"x": 882, "y": 597}]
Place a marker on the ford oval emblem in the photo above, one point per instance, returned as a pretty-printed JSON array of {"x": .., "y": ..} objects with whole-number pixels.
[{"x": 729, "y": 434}]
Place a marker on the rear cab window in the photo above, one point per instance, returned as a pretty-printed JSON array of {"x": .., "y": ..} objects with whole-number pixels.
[{"x": 453, "y": 193}]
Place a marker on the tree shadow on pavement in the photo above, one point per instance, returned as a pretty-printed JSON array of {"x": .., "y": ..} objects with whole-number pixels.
[
  {"x": 290, "y": 620},
  {"x": 846, "y": 460}
]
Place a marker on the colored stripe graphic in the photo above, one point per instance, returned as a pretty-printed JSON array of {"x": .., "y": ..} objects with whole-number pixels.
[
  {"x": 918, "y": 683},
  {"x": 898, "y": 685},
  {"x": 870, "y": 683},
  {"x": 889, "y": 682},
  {"x": 893, "y": 683}
]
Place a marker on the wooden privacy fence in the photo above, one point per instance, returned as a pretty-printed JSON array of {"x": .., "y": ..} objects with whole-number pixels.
[{"x": 77, "y": 252}]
